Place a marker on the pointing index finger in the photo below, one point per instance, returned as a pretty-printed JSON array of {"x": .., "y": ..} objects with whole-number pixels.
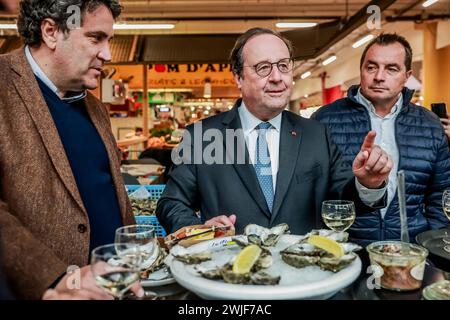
[{"x": 369, "y": 141}]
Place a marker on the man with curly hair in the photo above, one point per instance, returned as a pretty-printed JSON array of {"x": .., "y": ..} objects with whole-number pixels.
[{"x": 61, "y": 191}]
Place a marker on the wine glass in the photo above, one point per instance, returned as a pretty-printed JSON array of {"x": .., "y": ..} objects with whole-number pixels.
[
  {"x": 446, "y": 208},
  {"x": 116, "y": 273},
  {"x": 144, "y": 237},
  {"x": 338, "y": 215}
]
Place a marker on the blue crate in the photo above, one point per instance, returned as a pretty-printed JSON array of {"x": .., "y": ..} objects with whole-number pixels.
[{"x": 155, "y": 193}]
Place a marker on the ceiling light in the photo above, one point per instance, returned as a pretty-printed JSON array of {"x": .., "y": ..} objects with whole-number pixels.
[
  {"x": 296, "y": 24},
  {"x": 143, "y": 26},
  {"x": 428, "y": 3},
  {"x": 329, "y": 60},
  {"x": 363, "y": 40},
  {"x": 8, "y": 26},
  {"x": 305, "y": 75}
]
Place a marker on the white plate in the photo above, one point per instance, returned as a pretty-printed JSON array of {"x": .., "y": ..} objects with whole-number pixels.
[
  {"x": 157, "y": 283},
  {"x": 305, "y": 283}
]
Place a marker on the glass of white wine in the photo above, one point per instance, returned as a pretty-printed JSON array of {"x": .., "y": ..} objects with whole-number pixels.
[
  {"x": 338, "y": 215},
  {"x": 446, "y": 208},
  {"x": 116, "y": 273}
]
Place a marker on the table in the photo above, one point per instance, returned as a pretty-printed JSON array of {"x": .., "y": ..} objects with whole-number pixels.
[{"x": 358, "y": 290}]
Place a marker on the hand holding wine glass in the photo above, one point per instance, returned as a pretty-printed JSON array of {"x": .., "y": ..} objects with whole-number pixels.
[{"x": 115, "y": 273}]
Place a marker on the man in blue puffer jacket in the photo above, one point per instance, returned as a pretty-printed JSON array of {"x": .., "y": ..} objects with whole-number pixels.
[{"x": 412, "y": 136}]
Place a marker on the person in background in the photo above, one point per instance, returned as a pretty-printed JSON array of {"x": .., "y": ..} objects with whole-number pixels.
[
  {"x": 61, "y": 191},
  {"x": 291, "y": 164},
  {"x": 412, "y": 135}
]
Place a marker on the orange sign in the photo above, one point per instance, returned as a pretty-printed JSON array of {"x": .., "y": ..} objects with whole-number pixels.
[{"x": 190, "y": 75}]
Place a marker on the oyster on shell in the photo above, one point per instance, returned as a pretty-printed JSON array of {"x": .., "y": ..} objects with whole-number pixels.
[
  {"x": 303, "y": 254},
  {"x": 331, "y": 263},
  {"x": 263, "y": 236},
  {"x": 193, "y": 258},
  {"x": 226, "y": 273},
  {"x": 155, "y": 262}
]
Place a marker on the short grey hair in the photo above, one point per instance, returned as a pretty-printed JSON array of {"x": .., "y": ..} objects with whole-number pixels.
[{"x": 33, "y": 12}]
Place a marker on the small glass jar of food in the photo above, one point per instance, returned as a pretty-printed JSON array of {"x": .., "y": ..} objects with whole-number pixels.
[
  {"x": 401, "y": 264},
  {"x": 437, "y": 291}
]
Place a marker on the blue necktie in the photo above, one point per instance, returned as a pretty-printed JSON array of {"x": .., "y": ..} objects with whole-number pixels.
[{"x": 263, "y": 166}]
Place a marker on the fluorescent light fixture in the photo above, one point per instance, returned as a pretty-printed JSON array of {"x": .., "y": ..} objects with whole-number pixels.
[
  {"x": 428, "y": 3},
  {"x": 8, "y": 26},
  {"x": 329, "y": 60},
  {"x": 296, "y": 24},
  {"x": 305, "y": 75},
  {"x": 166, "y": 26},
  {"x": 363, "y": 40}
]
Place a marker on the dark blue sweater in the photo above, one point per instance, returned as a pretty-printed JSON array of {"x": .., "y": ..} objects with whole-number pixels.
[{"x": 90, "y": 165}]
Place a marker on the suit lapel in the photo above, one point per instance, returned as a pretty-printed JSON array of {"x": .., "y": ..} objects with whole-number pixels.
[
  {"x": 97, "y": 116},
  {"x": 245, "y": 171},
  {"x": 30, "y": 93},
  {"x": 290, "y": 140}
]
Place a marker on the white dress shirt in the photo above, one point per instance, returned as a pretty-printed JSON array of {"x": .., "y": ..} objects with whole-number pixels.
[
  {"x": 71, "y": 97},
  {"x": 385, "y": 129},
  {"x": 249, "y": 123}
]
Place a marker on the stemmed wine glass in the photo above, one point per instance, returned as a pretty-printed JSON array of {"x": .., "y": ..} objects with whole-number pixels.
[
  {"x": 446, "y": 208},
  {"x": 338, "y": 215},
  {"x": 144, "y": 237},
  {"x": 116, "y": 273}
]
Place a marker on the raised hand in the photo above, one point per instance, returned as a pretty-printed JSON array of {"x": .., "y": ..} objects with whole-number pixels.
[{"x": 372, "y": 164}]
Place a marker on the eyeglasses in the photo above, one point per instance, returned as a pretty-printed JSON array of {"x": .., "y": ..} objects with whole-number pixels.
[{"x": 263, "y": 69}]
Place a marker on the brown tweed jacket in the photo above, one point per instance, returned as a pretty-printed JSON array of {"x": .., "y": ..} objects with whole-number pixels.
[{"x": 44, "y": 225}]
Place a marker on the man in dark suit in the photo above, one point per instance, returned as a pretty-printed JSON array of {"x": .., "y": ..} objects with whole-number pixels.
[{"x": 281, "y": 167}]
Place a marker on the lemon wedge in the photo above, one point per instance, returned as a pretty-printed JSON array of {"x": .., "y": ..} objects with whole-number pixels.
[
  {"x": 246, "y": 259},
  {"x": 327, "y": 244}
]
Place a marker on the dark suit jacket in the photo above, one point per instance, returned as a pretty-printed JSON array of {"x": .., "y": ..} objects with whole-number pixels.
[
  {"x": 45, "y": 226},
  {"x": 310, "y": 171}
]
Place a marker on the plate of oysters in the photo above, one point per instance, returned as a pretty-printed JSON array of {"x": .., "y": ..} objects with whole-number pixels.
[{"x": 268, "y": 264}]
